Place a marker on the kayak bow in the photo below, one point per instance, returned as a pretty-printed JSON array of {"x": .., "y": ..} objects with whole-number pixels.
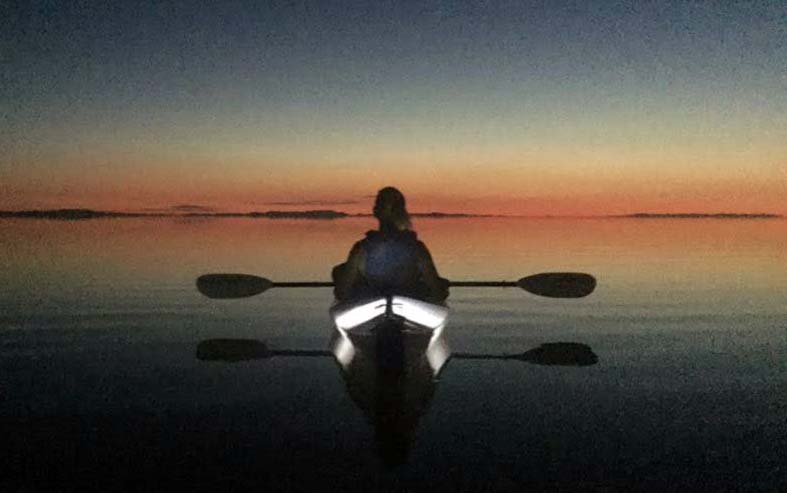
[{"x": 365, "y": 314}]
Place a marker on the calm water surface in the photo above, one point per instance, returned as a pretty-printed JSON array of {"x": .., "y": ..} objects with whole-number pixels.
[{"x": 101, "y": 388}]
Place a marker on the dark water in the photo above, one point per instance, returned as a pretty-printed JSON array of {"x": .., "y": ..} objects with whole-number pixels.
[{"x": 101, "y": 387}]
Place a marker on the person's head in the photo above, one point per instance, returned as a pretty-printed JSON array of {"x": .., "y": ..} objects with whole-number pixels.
[{"x": 390, "y": 210}]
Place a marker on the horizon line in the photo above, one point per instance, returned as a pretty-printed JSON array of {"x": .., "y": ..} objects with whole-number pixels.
[{"x": 87, "y": 213}]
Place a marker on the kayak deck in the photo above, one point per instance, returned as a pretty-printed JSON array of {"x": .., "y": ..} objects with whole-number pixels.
[{"x": 365, "y": 315}]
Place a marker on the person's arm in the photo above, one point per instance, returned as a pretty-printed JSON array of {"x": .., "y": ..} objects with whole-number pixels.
[
  {"x": 348, "y": 276},
  {"x": 438, "y": 287}
]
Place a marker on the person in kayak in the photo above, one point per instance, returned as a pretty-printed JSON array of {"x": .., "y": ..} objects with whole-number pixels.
[{"x": 390, "y": 260}]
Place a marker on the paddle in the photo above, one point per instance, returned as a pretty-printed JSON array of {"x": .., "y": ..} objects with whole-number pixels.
[
  {"x": 232, "y": 350},
  {"x": 549, "y": 284},
  {"x": 549, "y": 354}
]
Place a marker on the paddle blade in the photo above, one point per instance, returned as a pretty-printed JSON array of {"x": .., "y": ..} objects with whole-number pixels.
[
  {"x": 232, "y": 350},
  {"x": 559, "y": 284},
  {"x": 228, "y": 286},
  {"x": 559, "y": 354}
]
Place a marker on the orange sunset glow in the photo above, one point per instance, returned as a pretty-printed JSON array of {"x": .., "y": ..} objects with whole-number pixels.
[
  {"x": 536, "y": 112},
  {"x": 477, "y": 190}
]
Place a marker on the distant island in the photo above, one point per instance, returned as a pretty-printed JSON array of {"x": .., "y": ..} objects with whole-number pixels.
[
  {"x": 70, "y": 214},
  {"x": 698, "y": 215},
  {"x": 449, "y": 214},
  {"x": 78, "y": 214},
  {"x": 314, "y": 214}
]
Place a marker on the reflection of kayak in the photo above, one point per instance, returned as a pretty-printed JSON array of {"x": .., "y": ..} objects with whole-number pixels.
[{"x": 390, "y": 351}]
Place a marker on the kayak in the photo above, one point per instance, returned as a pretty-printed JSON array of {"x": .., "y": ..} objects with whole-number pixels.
[
  {"x": 389, "y": 321},
  {"x": 364, "y": 314},
  {"x": 390, "y": 352}
]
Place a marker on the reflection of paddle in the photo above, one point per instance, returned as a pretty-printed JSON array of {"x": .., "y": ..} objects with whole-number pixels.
[
  {"x": 550, "y": 284},
  {"x": 231, "y": 350},
  {"x": 550, "y": 354}
]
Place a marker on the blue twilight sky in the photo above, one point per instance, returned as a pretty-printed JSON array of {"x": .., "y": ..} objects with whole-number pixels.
[{"x": 679, "y": 103}]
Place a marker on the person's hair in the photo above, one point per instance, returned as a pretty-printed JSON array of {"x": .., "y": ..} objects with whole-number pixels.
[{"x": 390, "y": 210}]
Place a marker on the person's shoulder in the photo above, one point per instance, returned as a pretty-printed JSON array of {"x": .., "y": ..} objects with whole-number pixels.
[
  {"x": 410, "y": 236},
  {"x": 359, "y": 246},
  {"x": 421, "y": 248},
  {"x": 414, "y": 238},
  {"x": 369, "y": 238}
]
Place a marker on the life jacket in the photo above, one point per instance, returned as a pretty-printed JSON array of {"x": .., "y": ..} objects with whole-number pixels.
[{"x": 391, "y": 261}]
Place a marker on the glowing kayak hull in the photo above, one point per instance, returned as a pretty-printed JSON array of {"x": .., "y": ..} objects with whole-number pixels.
[
  {"x": 413, "y": 314},
  {"x": 392, "y": 332}
]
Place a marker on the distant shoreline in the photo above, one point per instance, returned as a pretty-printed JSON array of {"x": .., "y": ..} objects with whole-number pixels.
[
  {"x": 79, "y": 214},
  {"x": 696, "y": 215},
  {"x": 327, "y": 214}
]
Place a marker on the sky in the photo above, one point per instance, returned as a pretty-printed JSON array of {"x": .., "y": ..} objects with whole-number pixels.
[{"x": 507, "y": 107}]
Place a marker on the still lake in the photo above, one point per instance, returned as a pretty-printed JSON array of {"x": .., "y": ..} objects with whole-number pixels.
[{"x": 100, "y": 387}]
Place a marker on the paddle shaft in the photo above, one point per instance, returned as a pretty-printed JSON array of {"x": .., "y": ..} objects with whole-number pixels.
[
  {"x": 303, "y": 284},
  {"x": 483, "y": 284},
  {"x": 457, "y": 284}
]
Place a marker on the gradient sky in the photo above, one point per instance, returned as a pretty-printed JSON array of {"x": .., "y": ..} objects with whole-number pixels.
[{"x": 509, "y": 107}]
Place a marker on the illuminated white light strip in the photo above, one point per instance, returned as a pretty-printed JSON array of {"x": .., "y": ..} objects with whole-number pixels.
[
  {"x": 437, "y": 352},
  {"x": 343, "y": 350},
  {"x": 358, "y": 315},
  {"x": 420, "y": 312}
]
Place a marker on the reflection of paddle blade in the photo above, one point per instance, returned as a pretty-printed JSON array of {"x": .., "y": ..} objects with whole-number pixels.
[
  {"x": 226, "y": 286},
  {"x": 560, "y": 354},
  {"x": 231, "y": 350},
  {"x": 559, "y": 284}
]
